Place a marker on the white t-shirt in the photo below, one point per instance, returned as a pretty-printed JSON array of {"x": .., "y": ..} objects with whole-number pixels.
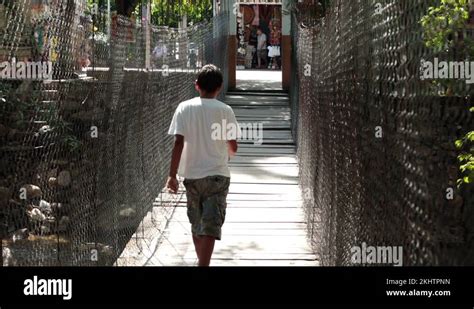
[
  {"x": 262, "y": 41},
  {"x": 205, "y": 151}
]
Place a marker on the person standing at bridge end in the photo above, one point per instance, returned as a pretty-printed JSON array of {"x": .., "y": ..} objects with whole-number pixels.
[{"x": 201, "y": 157}]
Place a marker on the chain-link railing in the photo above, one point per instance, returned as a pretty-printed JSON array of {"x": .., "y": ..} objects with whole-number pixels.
[
  {"x": 376, "y": 142},
  {"x": 84, "y": 145}
]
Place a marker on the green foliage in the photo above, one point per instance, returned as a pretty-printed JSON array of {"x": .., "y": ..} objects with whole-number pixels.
[
  {"x": 169, "y": 13},
  {"x": 443, "y": 28},
  {"x": 466, "y": 158},
  {"x": 102, "y": 4},
  {"x": 443, "y": 23}
]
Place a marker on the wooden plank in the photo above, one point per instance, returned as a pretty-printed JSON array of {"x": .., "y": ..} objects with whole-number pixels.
[
  {"x": 252, "y": 215},
  {"x": 249, "y": 203},
  {"x": 245, "y": 226},
  {"x": 265, "y": 160},
  {"x": 186, "y": 249},
  {"x": 256, "y": 98},
  {"x": 262, "y": 204},
  {"x": 273, "y": 189},
  {"x": 258, "y": 93},
  {"x": 263, "y": 263}
]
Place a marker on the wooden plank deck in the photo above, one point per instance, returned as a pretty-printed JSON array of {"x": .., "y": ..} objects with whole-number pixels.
[{"x": 265, "y": 224}]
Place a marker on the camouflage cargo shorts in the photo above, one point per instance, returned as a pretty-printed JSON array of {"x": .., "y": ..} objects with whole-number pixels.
[{"x": 206, "y": 204}]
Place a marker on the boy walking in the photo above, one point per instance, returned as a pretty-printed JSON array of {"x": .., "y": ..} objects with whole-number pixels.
[{"x": 203, "y": 160}]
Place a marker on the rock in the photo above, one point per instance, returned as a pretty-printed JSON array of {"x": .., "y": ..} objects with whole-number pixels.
[
  {"x": 63, "y": 223},
  {"x": 52, "y": 182},
  {"x": 45, "y": 230},
  {"x": 52, "y": 173},
  {"x": 36, "y": 180},
  {"x": 36, "y": 215},
  {"x": 64, "y": 220},
  {"x": 64, "y": 178},
  {"x": 20, "y": 234},
  {"x": 45, "y": 129},
  {"x": 7, "y": 256},
  {"x": 107, "y": 250},
  {"x": 51, "y": 219},
  {"x": 102, "y": 248},
  {"x": 32, "y": 191},
  {"x": 127, "y": 212},
  {"x": 87, "y": 246},
  {"x": 57, "y": 206}
]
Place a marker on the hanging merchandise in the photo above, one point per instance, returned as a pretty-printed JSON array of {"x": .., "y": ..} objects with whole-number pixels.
[
  {"x": 41, "y": 18},
  {"x": 256, "y": 20},
  {"x": 241, "y": 32}
]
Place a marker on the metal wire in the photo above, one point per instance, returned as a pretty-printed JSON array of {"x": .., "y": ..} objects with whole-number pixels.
[
  {"x": 89, "y": 147},
  {"x": 356, "y": 75}
]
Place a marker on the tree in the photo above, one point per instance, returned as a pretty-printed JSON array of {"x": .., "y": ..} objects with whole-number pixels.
[
  {"x": 170, "y": 12},
  {"x": 444, "y": 31}
]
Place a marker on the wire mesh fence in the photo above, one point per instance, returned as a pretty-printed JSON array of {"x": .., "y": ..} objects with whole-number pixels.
[
  {"x": 376, "y": 141},
  {"x": 86, "y": 102}
]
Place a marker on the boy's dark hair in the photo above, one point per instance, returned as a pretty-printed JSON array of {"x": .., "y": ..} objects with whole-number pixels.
[{"x": 210, "y": 78}]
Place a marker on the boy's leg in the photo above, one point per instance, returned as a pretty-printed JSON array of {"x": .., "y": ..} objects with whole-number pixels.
[
  {"x": 204, "y": 246},
  {"x": 197, "y": 245},
  {"x": 193, "y": 197},
  {"x": 206, "y": 199},
  {"x": 213, "y": 216},
  {"x": 206, "y": 249}
]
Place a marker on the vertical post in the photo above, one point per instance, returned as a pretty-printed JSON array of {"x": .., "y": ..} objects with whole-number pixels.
[
  {"x": 109, "y": 18},
  {"x": 286, "y": 45},
  {"x": 231, "y": 6},
  {"x": 146, "y": 24}
]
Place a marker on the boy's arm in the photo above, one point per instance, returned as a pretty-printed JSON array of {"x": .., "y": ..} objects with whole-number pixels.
[
  {"x": 172, "y": 183},
  {"x": 232, "y": 147}
]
